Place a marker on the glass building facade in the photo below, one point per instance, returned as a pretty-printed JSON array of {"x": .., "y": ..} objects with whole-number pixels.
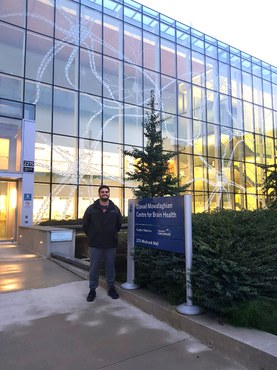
[{"x": 89, "y": 67}]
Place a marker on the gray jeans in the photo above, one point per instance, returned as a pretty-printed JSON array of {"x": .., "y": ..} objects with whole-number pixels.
[{"x": 96, "y": 256}]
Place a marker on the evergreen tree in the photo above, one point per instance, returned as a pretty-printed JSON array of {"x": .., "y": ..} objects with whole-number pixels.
[{"x": 151, "y": 167}]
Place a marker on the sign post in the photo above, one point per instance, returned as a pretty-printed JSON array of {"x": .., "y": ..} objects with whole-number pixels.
[
  {"x": 188, "y": 308},
  {"x": 130, "y": 247}
]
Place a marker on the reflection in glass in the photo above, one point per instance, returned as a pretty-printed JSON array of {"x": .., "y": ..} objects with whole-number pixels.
[
  {"x": 37, "y": 47},
  {"x": 132, "y": 45},
  {"x": 65, "y": 112},
  {"x": 90, "y": 117},
  {"x": 112, "y": 164},
  {"x": 113, "y": 121},
  {"x": 12, "y": 49},
  {"x": 41, "y": 16},
  {"x": 90, "y": 72},
  {"x": 42, "y": 157},
  {"x": 168, "y": 58},
  {"x": 64, "y": 166},
  {"x": 90, "y": 160},
  {"x": 43, "y": 104},
  {"x": 151, "y": 51},
  {"x": 63, "y": 202}
]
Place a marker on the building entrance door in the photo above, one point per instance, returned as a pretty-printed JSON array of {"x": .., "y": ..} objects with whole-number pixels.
[{"x": 8, "y": 210}]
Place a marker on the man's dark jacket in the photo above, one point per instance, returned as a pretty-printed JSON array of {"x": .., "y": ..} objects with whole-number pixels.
[{"x": 102, "y": 228}]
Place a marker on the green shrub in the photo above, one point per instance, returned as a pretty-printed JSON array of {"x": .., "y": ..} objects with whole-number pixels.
[
  {"x": 234, "y": 262},
  {"x": 260, "y": 314}
]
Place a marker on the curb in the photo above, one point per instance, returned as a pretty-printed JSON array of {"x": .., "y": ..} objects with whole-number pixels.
[{"x": 254, "y": 349}]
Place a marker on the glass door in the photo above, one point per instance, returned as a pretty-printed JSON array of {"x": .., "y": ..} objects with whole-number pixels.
[{"x": 8, "y": 210}]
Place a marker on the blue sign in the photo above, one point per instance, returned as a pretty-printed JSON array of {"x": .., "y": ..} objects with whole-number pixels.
[
  {"x": 159, "y": 223},
  {"x": 27, "y": 196}
]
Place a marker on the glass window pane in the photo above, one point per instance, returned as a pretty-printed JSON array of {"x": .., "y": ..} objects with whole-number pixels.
[
  {"x": 270, "y": 150},
  {"x": 90, "y": 117},
  {"x": 112, "y": 164},
  {"x": 168, "y": 90},
  {"x": 198, "y": 69},
  {"x": 184, "y": 99},
  {"x": 11, "y": 87},
  {"x": 41, "y": 16},
  {"x": 268, "y": 120},
  {"x": 38, "y": 67},
  {"x": 236, "y": 82},
  {"x": 167, "y": 31},
  {"x": 151, "y": 51},
  {"x": 169, "y": 133},
  {"x": 226, "y": 142},
  {"x": 91, "y": 29},
  {"x": 65, "y": 112},
  {"x": 132, "y": 45},
  {"x": 42, "y": 157},
  {"x": 237, "y": 113},
  {"x": 90, "y": 162},
  {"x": 248, "y": 116},
  {"x": 133, "y": 128},
  {"x": 185, "y": 135},
  {"x": 199, "y": 139},
  {"x": 64, "y": 166},
  {"x": 186, "y": 169},
  {"x": 213, "y": 141},
  {"x": 168, "y": 64},
  {"x": 249, "y": 147},
  {"x": 12, "y": 49},
  {"x": 87, "y": 195},
  {"x": 133, "y": 84},
  {"x": 211, "y": 74},
  {"x": 267, "y": 94},
  {"x": 274, "y": 93},
  {"x": 64, "y": 202},
  {"x": 257, "y": 88},
  {"x": 41, "y": 203},
  {"x": 259, "y": 149},
  {"x": 224, "y": 79},
  {"x": 67, "y": 21},
  {"x": 112, "y": 75},
  {"x": 198, "y": 103},
  {"x": 212, "y": 106},
  {"x": 41, "y": 96},
  {"x": 112, "y": 121},
  {"x": 13, "y": 11},
  {"x": 151, "y": 24},
  {"x": 66, "y": 65},
  {"x": 183, "y": 63},
  {"x": 113, "y": 39},
  {"x": 258, "y": 119},
  {"x": 247, "y": 86},
  {"x": 238, "y": 146},
  {"x": 225, "y": 110},
  {"x": 113, "y": 8},
  {"x": 90, "y": 72},
  {"x": 151, "y": 81},
  {"x": 132, "y": 16}
]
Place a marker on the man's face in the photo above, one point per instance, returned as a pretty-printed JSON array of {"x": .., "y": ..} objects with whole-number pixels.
[{"x": 104, "y": 194}]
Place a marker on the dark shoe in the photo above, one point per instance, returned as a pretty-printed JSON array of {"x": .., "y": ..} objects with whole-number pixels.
[
  {"x": 91, "y": 295},
  {"x": 113, "y": 293}
]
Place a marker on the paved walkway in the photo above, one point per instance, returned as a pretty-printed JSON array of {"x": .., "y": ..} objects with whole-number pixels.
[{"x": 46, "y": 323}]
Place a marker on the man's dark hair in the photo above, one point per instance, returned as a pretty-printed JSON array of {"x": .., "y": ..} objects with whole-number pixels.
[{"x": 103, "y": 187}]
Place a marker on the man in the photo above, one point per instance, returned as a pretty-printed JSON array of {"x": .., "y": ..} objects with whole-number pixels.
[{"x": 101, "y": 222}]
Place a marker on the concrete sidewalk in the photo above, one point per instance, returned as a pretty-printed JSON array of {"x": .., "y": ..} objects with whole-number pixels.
[{"x": 46, "y": 323}]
